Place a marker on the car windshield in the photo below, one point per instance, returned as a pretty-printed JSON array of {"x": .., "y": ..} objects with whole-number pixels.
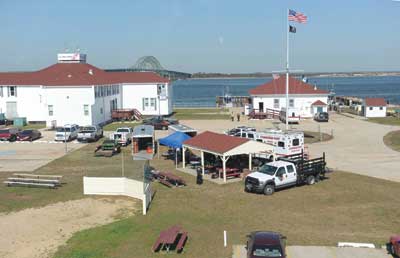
[
  {"x": 268, "y": 169},
  {"x": 62, "y": 129},
  {"x": 88, "y": 128},
  {"x": 267, "y": 251},
  {"x": 123, "y": 130},
  {"x": 26, "y": 132}
]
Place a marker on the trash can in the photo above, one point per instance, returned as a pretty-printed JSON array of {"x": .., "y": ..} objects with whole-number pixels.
[{"x": 199, "y": 178}]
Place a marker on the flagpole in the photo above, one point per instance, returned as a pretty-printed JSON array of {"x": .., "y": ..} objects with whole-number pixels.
[{"x": 287, "y": 69}]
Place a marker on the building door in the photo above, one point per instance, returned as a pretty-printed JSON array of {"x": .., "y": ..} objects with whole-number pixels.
[
  {"x": 260, "y": 106},
  {"x": 11, "y": 109},
  {"x": 320, "y": 109}
]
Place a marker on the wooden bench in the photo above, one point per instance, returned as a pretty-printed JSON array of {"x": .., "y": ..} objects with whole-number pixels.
[
  {"x": 34, "y": 180},
  {"x": 181, "y": 243},
  {"x": 38, "y": 176},
  {"x": 165, "y": 182},
  {"x": 16, "y": 183}
]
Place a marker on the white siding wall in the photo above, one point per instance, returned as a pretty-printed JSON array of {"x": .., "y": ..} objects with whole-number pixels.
[
  {"x": 133, "y": 94},
  {"x": 101, "y": 109},
  {"x": 30, "y": 102},
  {"x": 301, "y": 102},
  {"x": 68, "y": 104},
  {"x": 375, "y": 112}
]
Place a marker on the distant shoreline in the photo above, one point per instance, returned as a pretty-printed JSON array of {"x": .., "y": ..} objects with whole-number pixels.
[{"x": 313, "y": 75}]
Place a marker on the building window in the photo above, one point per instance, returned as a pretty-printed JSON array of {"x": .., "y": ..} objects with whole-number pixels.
[
  {"x": 291, "y": 103},
  {"x": 101, "y": 110},
  {"x": 153, "y": 103},
  {"x": 380, "y": 108},
  {"x": 371, "y": 108},
  {"x": 145, "y": 102},
  {"x": 12, "y": 91},
  {"x": 86, "y": 110},
  {"x": 51, "y": 110},
  {"x": 276, "y": 103},
  {"x": 1, "y": 91}
]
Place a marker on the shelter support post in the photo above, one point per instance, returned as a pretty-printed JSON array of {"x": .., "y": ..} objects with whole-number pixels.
[
  {"x": 250, "y": 161},
  {"x": 183, "y": 156},
  {"x": 224, "y": 160},
  {"x": 202, "y": 162},
  {"x": 158, "y": 149}
]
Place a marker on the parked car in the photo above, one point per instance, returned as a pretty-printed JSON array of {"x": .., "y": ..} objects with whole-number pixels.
[
  {"x": 159, "y": 122},
  {"x": 67, "y": 133},
  {"x": 90, "y": 133},
  {"x": 29, "y": 135},
  {"x": 9, "y": 134},
  {"x": 289, "y": 171},
  {"x": 266, "y": 244},
  {"x": 394, "y": 245},
  {"x": 237, "y": 131},
  {"x": 321, "y": 117},
  {"x": 122, "y": 135}
]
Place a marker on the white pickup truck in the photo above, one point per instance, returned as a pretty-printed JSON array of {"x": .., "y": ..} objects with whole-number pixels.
[
  {"x": 122, "y": 135},
  {"x": 285, "y": 172},
  {"x": 90, "y": 133}
]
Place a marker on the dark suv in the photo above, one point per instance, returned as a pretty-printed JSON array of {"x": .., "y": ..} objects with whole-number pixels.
[
  {"x": 266, "y": 244},
  {"x": 321, "y": 117}
]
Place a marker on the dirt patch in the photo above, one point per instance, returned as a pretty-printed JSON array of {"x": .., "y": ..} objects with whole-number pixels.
[{"x": 36, "y": 233}]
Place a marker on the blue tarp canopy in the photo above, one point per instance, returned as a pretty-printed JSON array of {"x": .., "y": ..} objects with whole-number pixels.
[{"x": 174, "y": 140}]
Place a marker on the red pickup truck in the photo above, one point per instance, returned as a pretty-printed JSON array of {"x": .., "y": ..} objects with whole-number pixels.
[{"x": 8, "y": 134}]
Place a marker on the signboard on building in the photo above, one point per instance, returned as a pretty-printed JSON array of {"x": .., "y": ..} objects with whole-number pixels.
[{"x": 71, "y": 58}]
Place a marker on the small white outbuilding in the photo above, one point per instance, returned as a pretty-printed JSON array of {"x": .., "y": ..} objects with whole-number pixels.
[{"x": 374, "y": 107}]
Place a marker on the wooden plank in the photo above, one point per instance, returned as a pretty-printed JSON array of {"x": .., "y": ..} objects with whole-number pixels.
[
  {"x": 34, "y": 175},
  {"x": 34, "y": 180},
  {"x": 10, "y": 183}
]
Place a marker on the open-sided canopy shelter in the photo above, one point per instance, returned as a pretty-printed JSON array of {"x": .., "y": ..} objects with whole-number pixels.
[
  {"x": 224, "y": 146},
  {"x": 174, "y": 140}
]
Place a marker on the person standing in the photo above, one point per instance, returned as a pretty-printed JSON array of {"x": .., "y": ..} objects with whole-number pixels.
[
  {"x": 232, "y": 117},
  {"x": 238, "y": 116}
]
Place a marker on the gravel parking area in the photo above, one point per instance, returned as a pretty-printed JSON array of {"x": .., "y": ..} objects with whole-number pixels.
[
  {"x": 28, "y": 156},
  {"x": 322, "y": 252}
]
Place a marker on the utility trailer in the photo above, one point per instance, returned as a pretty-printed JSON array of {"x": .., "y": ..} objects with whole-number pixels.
[{"x": 291, "y": 170}]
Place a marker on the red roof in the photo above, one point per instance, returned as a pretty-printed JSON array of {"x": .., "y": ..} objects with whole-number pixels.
[
  {"x": 318, "y": 103},
  {"x": 215, "y": 142},
  {"x": 76, "y": 74},
  {"x": 278, "y": 87},
  {"x": 375, "y": 102}
]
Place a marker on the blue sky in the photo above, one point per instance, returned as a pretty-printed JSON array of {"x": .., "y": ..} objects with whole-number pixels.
[{"x": 203, "y": 35}]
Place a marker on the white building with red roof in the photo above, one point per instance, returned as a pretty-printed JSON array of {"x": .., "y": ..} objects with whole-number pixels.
[
  {"x": 72, "y": 91},
  {"x": 374, "y": 107},
  {"x": 304, "y": 99}
]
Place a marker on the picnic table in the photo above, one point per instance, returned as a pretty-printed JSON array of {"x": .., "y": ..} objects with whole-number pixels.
[
  {"x": 173, "y": 237},
  {"x": 170, "y": 179},
  {"x": 194, "y": 163},
  {"x": 230, "y": 172}
]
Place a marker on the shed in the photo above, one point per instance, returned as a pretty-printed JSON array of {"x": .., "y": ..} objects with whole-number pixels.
[
  {"x": 374, "y": 107},
  {"x": 224, "y": 146},
  {"x": 143, "y": 139},
  {"x": 183, "y": 129}
]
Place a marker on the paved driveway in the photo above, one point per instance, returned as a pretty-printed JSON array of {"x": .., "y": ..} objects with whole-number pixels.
[
  {"x": 357, "y": 145},
  {"x": 322, "y": 252}
]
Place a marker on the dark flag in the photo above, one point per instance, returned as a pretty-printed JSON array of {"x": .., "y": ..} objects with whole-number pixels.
[{"x": 292, "y": 29}]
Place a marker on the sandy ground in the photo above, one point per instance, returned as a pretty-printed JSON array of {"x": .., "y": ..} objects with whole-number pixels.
[
  {"x": 357, "y": 145},
  {"x": 36, "y": 233},
  {"x": 322, "y": 252},
  {"x": 29, "y": 156}
]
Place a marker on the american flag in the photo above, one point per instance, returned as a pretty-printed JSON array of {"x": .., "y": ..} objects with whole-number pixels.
[{"x": 297, "y": 17}]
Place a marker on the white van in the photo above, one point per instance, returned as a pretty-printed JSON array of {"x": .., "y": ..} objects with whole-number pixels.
[{"x": 67, "y": 133}]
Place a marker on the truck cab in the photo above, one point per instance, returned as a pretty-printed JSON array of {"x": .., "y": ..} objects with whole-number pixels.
[{"x": 122, "y": 135}]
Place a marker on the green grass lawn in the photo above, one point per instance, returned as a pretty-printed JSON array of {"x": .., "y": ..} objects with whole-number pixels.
[
  {"x": 115, "y": 125},
  {"x": 345, "y": 207},
  {"x": 392, "y": 140},
  {"x": 201, "y": 114},
  {"x": 389, "y": 120},
  {"x": 313, "y": 137}
]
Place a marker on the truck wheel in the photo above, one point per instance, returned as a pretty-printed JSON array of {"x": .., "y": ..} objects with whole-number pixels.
[
  {"x": 310, "y": 180},
  {"x": 269, "y": 189}
]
